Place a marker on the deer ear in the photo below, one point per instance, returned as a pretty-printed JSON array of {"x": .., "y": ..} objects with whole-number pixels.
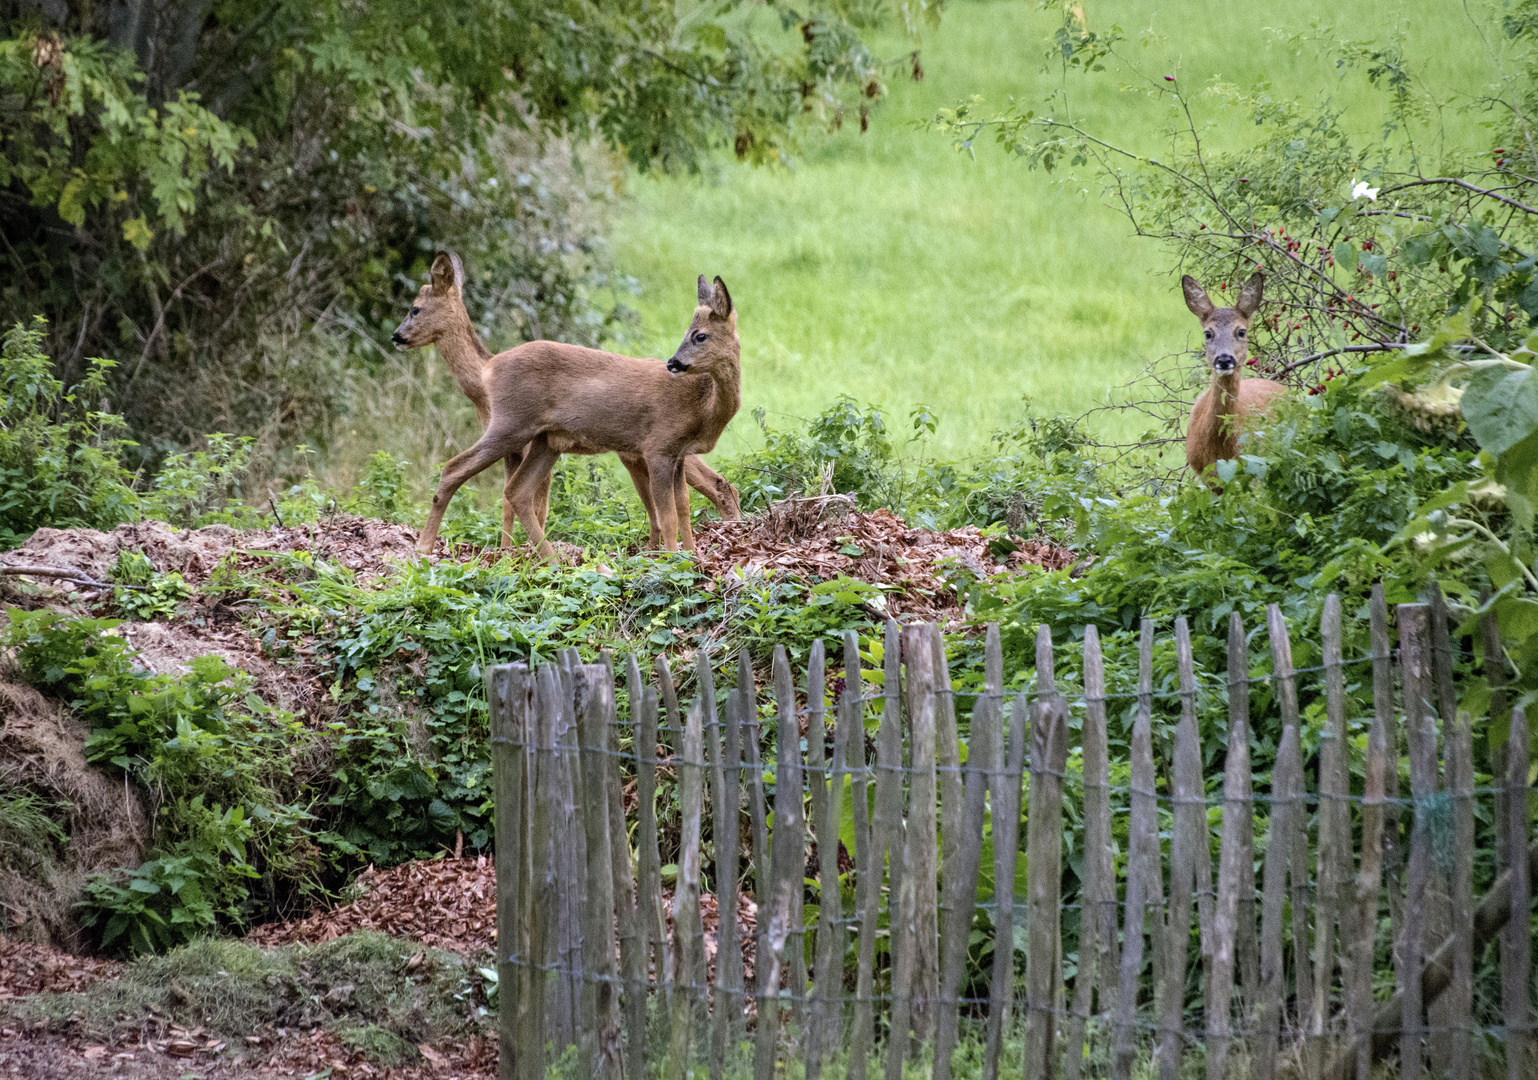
[
  {"x": 1250, "y": 295},
  {"x": 704, "y": 292},
  {"x": 1196, "y": 297},
  {"x": 448, "y": 274},
  {"x": 721, "y": 300}
]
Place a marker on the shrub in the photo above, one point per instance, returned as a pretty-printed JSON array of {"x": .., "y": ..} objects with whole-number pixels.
[
  {"x": 846, "y": 448},
  {"x": 233, "y": 835}
]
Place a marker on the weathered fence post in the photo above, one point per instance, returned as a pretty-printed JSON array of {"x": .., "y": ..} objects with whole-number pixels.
[
  {"x": 963, "y": 839},
  {"x": 1044, "y": 862},
  {"x": 1234, "y": 873},
  {"x": 912, "y": 914},
  {"x": 1189, "y": 812},
  {"x": 632, "y": 934},
  {"x": 787, "y": 870},
  {"x": 1334, "y": 862},
  {"x": 506, "y": 702},
  {"x": 1097, "y": 899},
  {"x": 827, "y": 778},
  {"x": 686, "y": 894},
  {"x": 1281, "y": 857},
  {"x": 1415, "y": 659},
  {"x": 594, "y": 707},
  {"x": 1144, "y": 880},
  {"x": 867, "y": 868},
  {"x": 1006, "y": 854}
]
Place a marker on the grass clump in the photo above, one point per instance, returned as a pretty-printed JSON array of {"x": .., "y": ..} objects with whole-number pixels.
[{"x": 363, "y": 986}]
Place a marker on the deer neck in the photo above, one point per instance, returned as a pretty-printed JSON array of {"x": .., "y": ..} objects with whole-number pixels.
[
  {"x": 466, "y": 357},
  {"x": 727, "y": 398},
  {"x": 1225, "y": 393},
  {"x": 713, "y": 400}
]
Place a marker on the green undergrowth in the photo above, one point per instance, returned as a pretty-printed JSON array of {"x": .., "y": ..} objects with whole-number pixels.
[{"x": 380, "y": 994}]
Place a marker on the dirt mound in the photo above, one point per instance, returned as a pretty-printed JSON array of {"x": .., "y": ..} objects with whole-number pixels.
[
  {"x": 366, "y": 547},
  {"x": 28, "y": 968},
  {"x": 42, "y": 755},
  {"x": 826, "y": 536},
  {"x": 170, "y": 648}
]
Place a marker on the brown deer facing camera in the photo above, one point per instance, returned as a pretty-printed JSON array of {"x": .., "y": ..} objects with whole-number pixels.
[
  {"x": 544, "y": 395},
  {"x": 1231, "y": 402},
  {"x": 438, "y": 317}
]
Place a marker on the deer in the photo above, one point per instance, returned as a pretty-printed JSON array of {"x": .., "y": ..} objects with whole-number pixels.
[
  {"x": 1231, "y": 402},
  {"x": 544, "y": 395},
  {"x": 438, "y": 317}
]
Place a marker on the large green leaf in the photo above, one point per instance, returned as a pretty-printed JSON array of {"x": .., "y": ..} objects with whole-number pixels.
[{"x": 1501, "y": 407}]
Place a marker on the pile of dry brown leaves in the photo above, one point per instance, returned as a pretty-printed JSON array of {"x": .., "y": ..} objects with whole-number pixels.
[
  {"x": 451, "y": 904},
  {"x": 826, "y": 536},
  {"x": 26, "y": 968},
  {"x": 444, "y": 903}
]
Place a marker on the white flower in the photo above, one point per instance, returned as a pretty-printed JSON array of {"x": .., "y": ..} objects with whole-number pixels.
[{"x": 1361, "y": 189}]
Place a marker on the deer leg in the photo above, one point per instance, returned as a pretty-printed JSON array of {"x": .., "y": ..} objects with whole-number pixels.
[
  {"x": 512, "y": 461},
  {"x": 664, "y": 474},
  {"x": 542, "y": 496},
  {"x": 681, "y": 500},
  {"x": 642, "y": 480},
  {"x": 713, "y": 486},
  {"x": 532, "y": 482},
  {"x": 491, "y": 447}
]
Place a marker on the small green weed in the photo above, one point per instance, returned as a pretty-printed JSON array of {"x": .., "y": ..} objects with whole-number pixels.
[{"x": 145, "y": 593}]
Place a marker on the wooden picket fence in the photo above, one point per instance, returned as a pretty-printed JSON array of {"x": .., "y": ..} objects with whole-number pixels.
[{"x": 1172, "y": 958}]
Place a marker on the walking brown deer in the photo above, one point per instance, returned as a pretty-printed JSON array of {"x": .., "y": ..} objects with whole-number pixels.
[
  {"x": 1230, "y": 401},
  {"x": 543, "y": 395},
  {"x": 438, "y": 317}
]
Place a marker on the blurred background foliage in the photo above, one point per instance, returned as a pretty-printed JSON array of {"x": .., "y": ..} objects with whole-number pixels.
[{"x": 234, "y": 199}]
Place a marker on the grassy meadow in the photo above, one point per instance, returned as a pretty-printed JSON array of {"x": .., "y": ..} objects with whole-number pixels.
[{"x": 889, "y": 266}]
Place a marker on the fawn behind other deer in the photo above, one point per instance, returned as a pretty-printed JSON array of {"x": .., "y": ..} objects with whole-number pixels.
[
  {"x": 438, "y": 317},
  {"x": 544, "y": 395},
  {"x": 1231, "y": 402}
]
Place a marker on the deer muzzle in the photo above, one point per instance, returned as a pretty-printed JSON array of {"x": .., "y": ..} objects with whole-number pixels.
[
  {"x": 676, "y": 367},
  {"x": 398, "y": 339},
  {"x": 1224, "y": 364}
]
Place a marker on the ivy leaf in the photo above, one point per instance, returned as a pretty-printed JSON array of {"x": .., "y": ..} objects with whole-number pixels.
[{"x": 1501, "y": 407}]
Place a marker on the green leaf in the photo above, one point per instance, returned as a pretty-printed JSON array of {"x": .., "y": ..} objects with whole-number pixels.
[
  {"x": 138, "y": 232},
  {"x": 72, "y": 201},
  {"x": 1501, "y": 407},
  {"x": 1226, "y": 470}
]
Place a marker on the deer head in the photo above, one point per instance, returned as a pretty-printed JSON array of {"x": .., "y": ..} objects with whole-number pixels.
[
  {"x": 711, "y": 343},
  {"x": 1226, "y": 329},
  {"x": 439, "y": 307}
]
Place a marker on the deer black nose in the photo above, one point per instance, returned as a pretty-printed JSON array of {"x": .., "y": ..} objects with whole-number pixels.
[
  {"x": 675, "y": 367},
  {"x": 397, "y": 338},
  {"x": 1224, "y": 364}
]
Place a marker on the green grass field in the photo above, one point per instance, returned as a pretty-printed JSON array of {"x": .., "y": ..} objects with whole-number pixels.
[{"x": 891, "y": 267}]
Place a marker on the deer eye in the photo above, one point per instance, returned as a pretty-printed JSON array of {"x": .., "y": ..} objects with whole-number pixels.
[
  {"x": 1208, "y": 334},
  {"x": 700, "y": 338},
  {"x": 415, "y": 310},
  {"x": 1240, "y": 334}
]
